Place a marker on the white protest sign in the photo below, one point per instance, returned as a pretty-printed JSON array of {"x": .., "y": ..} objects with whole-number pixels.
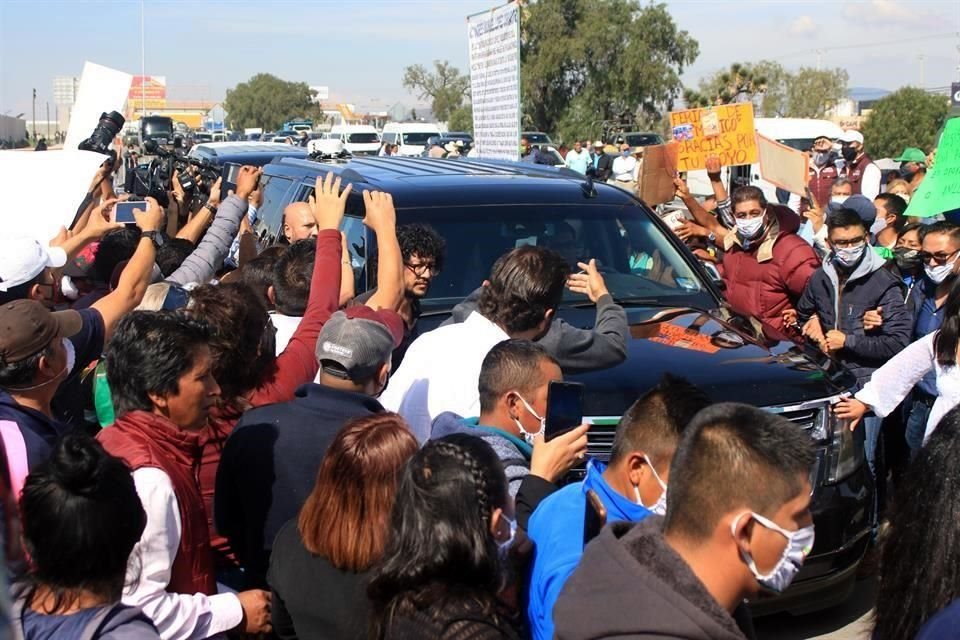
[
  {"x": 45, "y": 188},
  {"x": 101, "y": 90},
  {"x": 494, "y": 40}
]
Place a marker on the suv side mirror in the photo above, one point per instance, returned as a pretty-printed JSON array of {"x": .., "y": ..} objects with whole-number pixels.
[{"x": 714, "y": 274}]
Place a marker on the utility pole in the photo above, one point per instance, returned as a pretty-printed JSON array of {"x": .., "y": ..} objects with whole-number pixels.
[
  {"x": 48, "y": 121},
  {"x": 34, "y": 114}
]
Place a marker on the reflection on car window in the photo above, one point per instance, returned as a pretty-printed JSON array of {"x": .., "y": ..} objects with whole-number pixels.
[
  {"x": 637, "y": 260},
  {"x": 355, "y": 231},
  {"x": 270, "y": 222}
]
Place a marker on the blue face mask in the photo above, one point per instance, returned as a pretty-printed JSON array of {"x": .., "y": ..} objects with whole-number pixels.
[
  {"x": 503, "y": 548},
  {"x": 625, "y": 154}
]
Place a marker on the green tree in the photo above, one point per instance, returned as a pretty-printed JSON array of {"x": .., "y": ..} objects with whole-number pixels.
[
  {"x": 739, "y": 84},
  {"x": 266, "y": 101},
  {"x": 811, "y": 92},
  {"x": 461, "y": 119},
  {"x": 586, "y": 61},
  {"x": 909, "y": 117},
  {"x": 445, "y": 86}
]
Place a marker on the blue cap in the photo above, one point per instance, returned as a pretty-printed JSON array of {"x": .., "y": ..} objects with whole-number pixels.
[{"x": 858, "y": 203}]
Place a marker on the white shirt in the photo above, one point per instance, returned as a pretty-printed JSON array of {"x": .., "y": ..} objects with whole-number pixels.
[
  {"x": 891, "y": 383},
  {"x": 286, "y": 327},
  {"x": 440, "y": 373},
  {"x": 624, "y": 168},
  {"x": 176, "y": 616},
  {"x": 870, "y": 183}
]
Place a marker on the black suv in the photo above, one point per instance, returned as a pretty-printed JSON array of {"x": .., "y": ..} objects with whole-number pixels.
[{"x": 678, "y": 319}]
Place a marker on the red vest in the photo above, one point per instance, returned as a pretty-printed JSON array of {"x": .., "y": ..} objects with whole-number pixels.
[
  {"x": 853, "y": 171},
  {"x": 821, "y": 182},
  {"x": 144, "y": 439}
]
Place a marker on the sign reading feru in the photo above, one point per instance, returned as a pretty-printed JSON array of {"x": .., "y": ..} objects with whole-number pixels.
[{"x": 725, "y": 131}]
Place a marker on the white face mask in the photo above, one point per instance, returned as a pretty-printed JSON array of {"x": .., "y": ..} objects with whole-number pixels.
[
  {"x": 799, "y": 545},
  {"x": 838, "y": 199},
  {"x": 878, "y": 225},
  {"x": 940, "y": 272},
  {"x": 530, "y": 437},
  {"x": 748, "y": 228},
  {"x": 849, "y": 256},
  {"x": 660, "y": 506}
]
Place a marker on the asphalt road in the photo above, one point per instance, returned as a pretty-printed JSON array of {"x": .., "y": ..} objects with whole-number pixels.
[{"x": 849, "y": 621}]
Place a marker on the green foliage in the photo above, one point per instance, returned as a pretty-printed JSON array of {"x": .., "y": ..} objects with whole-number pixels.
[
  {"x": 910, "y": 117},
  {"x": 461, "y": 119},
  {"x": 586, "y": 61},
  {"x": 740, "y": 83},
  {"x": 811, "y": 92},
  {"x": 445, "y": 86},
  {"x": 266, "y": 101},
  {"x": 774, "y": 91}
]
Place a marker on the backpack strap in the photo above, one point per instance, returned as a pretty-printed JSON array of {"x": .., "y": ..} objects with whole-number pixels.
[{"x": 16, "y": 450}]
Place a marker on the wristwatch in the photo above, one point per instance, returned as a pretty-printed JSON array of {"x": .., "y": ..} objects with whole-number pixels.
[{"x": 155, "y": 237}]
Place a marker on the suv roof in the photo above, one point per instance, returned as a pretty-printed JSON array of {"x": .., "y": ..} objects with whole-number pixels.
[
  {"x": 245, "y": 152},
  {"x": 419, "y": 182}
]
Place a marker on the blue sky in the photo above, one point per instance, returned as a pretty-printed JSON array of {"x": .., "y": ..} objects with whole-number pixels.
[{"x": 359, "y": 48}]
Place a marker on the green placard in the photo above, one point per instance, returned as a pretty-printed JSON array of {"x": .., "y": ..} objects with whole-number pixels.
[{"x": 940, "y": 190}]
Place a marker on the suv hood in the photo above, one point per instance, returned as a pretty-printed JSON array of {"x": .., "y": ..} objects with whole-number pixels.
[{"x": 728, "y": 355}]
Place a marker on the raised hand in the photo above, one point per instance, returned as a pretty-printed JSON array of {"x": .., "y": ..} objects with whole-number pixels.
[
  {"x": 328, "y": 202},
  {"x": 248, "y": 179},
  {"x": 589, "y": 282},
  {"x": 552, "y": 459},
  {"x": 380, "y": 213},
  {"x": 150, "y": 219}
]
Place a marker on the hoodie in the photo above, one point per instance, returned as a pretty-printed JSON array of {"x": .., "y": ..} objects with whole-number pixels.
[
  {"x": 841, "y": 306},
  {"x": 632, "y": 584},
  {"x": 514, "y": 452}
]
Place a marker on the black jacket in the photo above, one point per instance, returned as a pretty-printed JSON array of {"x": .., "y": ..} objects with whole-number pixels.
[
  {"x": 631, "y": 584},
  {"x": 868, "y": 287},
  {"x": 604, "y": 166},
  {"x": 575, "y": 349},
  {"x": 269, "y": 467},
  {"x": 312, "y": 599}
]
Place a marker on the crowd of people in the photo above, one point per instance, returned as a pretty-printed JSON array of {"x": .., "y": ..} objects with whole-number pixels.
[{"x": 202, "y": 436}]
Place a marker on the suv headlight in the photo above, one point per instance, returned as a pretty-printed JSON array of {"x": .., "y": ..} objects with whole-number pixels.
[{"x": 846, "y": 451}]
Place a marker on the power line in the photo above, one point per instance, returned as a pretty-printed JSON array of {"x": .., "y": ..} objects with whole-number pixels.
[{"x": 822, "y": 50}]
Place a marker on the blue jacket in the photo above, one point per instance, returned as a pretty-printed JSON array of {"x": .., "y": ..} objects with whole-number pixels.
[
  {"x": 556, "y": 528},
  {"x": 842, "y": 308}
]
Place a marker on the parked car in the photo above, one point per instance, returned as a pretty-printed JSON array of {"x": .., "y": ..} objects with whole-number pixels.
[
  {"x": 410, "y": 136},
  {"x": 358, "y": 139},
  {"x": 443, "y": 141},
  {"x": 641, "y": 138},
  {"x": 536, "y": 137},
  {"x": 679, "y": 321}
]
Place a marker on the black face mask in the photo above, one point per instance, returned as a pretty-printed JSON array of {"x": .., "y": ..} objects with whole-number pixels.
[
  {"x": 849, "y": 153},
  {"x": 907, "y": 259}
]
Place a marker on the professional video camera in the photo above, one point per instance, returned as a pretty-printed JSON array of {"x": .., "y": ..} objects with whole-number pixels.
[{"x": 156, "y": 179}]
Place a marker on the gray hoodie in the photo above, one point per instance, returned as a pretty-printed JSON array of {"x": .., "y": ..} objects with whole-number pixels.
[
  {"x": 111, "y": 622},
  {"x": 632, "y": 584},
  {"x": 513, "y": 452},
  {"x": 575, "y": 350}
]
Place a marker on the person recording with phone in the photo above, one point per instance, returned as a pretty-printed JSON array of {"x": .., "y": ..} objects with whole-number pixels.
[
  {"x": 631, "y": 487},
  {"x": 514, "y": 380}
]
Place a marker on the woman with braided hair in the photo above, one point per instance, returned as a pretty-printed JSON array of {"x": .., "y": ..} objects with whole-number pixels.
[{"x": 441, "y": 573}]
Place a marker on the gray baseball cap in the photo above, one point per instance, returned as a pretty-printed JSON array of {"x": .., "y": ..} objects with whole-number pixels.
[{"x": 355, "y": 342}]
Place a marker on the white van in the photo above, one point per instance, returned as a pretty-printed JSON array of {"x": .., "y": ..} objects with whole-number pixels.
[
  {"x": 798, "y": 133},
  {"x": 411, "y": 136},
  {"x": 358, "y": 139}
]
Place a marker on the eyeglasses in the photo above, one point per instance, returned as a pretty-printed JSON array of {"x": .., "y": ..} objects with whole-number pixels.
[
  {"x": 422, "y": 268},
  {"x": 939, "y": 258},
  {"x": 850, "y": 242}
]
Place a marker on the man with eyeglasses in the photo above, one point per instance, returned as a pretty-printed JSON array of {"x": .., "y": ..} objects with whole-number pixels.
[
  {"x": 852, "y": 280},
  {"x": 423, "y": 251}
]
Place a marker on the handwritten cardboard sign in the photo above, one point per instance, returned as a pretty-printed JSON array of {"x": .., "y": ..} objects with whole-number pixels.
[
  {"x": 940, "y": 189},
  {"x": 783, "y": 166},
  {"x": 657, "y": 173},
  {"x": 725, "y": 131}
]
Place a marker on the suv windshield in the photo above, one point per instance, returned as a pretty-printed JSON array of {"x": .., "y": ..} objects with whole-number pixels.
[
  {"x": 363, "y": 138},
  {"x": 157, "y": 128},
  {"x": 638, "y": 262},
  {"x": 418, "y": 139},
  {"x": 642, "y": 139}
]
